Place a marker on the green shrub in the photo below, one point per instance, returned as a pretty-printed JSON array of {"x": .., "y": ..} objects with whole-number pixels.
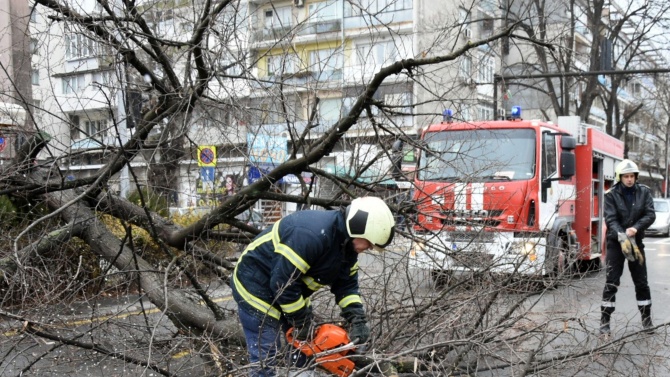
[
  {"x": 152, "y": 200},
  {"x": 8, "y": 211}
]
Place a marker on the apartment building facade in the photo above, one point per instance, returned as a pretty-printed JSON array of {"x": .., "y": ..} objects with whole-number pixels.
[
  {"x": 16, "y": 76},
  {"x": 293, "y": 69}
]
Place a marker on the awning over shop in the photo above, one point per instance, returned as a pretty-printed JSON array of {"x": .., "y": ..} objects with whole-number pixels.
[{"x": 256, "y": 172}]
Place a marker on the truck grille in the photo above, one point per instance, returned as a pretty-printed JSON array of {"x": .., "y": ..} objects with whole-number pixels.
[
  {"x": 472, "y": 260},
  {"x": 471, "y": 218},
  {"x": 473, "y": 222},
  {"x": 475, "y": 237},
  {"x": 473, "y": 213}
]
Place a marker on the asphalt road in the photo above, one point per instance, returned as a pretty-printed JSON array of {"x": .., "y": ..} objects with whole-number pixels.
[
  {"x": 628, "y": 351},
  {"x": 581, "y": 298}
]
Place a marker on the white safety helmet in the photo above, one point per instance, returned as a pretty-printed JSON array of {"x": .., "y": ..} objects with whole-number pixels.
[
  {"x": 626, "y": 167},
  {"x": 370, "y": 218}
]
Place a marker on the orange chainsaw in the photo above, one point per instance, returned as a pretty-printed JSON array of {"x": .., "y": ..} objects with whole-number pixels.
[{"x": 329, "y": 348}]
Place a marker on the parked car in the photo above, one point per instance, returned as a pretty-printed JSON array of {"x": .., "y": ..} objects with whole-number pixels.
[{"x": 661, "y": 225}]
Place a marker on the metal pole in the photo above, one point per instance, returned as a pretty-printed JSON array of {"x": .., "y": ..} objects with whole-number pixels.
[
  {"x": 665, "y": 181},
  {"x": 123, "y": 129},
  {"x": 496, "y": 81}
]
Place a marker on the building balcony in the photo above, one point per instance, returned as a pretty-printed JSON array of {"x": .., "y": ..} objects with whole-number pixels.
[
  {"x": 269, "y": 34},
  {"x": 329, "y": 26},
  {"x": 363, "y": 126},
  {"x": 298, "y": 79},
  {"x": 332, "y": 29},
  {"x": 94, "y": 143},
  {"x": 379, "y": 19},
  {"x": 303, "y": 33}
]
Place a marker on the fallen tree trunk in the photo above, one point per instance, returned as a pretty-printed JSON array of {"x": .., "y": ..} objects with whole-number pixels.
[{"x": 183, "y": 311}]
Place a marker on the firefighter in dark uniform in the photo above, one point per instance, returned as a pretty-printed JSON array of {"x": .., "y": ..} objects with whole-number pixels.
[
  {"x": 289, "y": 261},
  {"x": 629, "y": 211}
]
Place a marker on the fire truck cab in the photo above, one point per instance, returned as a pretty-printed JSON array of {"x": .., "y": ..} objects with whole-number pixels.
[{"x": 511, "y": 196}]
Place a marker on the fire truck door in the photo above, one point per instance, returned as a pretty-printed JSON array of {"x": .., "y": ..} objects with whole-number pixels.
[{"x": 550, "y": 188}]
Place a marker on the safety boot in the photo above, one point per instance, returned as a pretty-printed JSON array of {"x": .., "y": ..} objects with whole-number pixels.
[
  {"x": 645, "y": 312},
  {"x": 605, "y": 317}
]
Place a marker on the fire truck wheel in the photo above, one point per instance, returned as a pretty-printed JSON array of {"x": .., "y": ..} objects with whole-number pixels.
[{"x": 558, "y": 265}]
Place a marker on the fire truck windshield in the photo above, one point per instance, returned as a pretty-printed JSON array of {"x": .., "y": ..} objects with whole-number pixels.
[{"x": 478, "y": 155}]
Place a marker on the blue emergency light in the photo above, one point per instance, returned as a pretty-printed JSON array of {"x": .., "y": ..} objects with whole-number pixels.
[
  {"x": 516, "y": 112},
  {"x": 447, "y": 115}
]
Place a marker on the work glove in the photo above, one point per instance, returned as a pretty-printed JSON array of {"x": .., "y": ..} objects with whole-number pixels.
[
  {"x": 303, "y": 327},
  {"x": 305, "y": 332},
  {"x": 359, "y": 332},
  {"x": 637, "y": 253},
  {"x": 626, "y": 246}
]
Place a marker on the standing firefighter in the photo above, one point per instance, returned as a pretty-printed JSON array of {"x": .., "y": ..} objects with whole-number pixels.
[
  {"x": 629, "y": 211},
  {"x": 299, "y": 254}
]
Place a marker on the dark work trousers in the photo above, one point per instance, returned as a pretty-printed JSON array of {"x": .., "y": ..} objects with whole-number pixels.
[{"x": 615, "y": 263}]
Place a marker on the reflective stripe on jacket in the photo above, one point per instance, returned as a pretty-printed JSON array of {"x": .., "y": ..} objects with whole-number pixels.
[{"x": 298, "y": 255}]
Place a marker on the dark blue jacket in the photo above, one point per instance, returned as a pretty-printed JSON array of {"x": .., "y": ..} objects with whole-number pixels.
[{"x": 289, "y": 261}]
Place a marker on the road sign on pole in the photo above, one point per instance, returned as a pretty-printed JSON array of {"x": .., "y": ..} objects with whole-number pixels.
[
  {"x": 207, "y": 156},
  {"x": 207, "y": 174}
]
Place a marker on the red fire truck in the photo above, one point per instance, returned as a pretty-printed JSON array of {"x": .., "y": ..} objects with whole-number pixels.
[{"x": 511, "y": 196}]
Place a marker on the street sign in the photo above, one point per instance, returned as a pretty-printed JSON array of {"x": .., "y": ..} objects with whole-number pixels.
[
  {"x": 207, "y": 156},
  {"x": 207, "y": 174}
]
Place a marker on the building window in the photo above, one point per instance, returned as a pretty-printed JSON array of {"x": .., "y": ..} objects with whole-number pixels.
[
  {"x": 485, "y": 112},
  {"x": 393, "y": 5},
  {"x": 465, "y": 68},
  {"x": 186, "y": 27},
  {"x": 102, "y": 78},
  {"x": 95, "y": 127},
  {"x": 33, "y": 14},
  {"x": 329, "y": 111},
  {"x": 73, "y": 84},
  {"x": 399, "y": 103},
  {"x": 278, "y": 17},
  {"x": 33, "y": 46},
  {"x": 367, "y": 7},
  {"x": 35, "y": 76},
  {"x": 375, "y": 56},
  {"x": 165, "y": 24},
  {"x": 636, "y": 88},
  {"x": 78, "y": 46},
  {"x": 280, "y": 65},
  {"x": 272, "y": 112},
  {"x": 486, "y": 69},
  {"x": 230, "y": 66},
  {"x": 324, "y": 10},
  {"x": 465, "y": 112},
  {"x": 348, "y": 103},
  {"x": 464, "y": 19},
  {"x": 326, "y": 63}
]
